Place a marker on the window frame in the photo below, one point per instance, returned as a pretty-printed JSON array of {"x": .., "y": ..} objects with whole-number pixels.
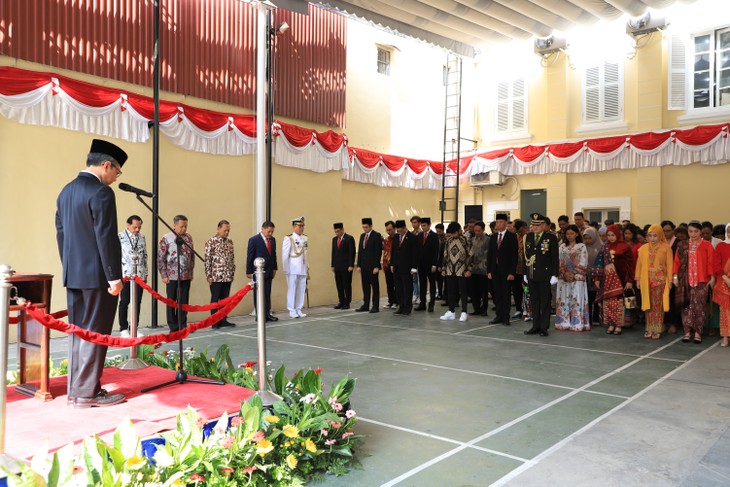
[
  {"x": 511, "y": 132},
  {"x": 386, "y": 64}
]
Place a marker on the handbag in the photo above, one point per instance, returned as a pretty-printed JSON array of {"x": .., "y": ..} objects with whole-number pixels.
[{"x": 630, "y": 299}]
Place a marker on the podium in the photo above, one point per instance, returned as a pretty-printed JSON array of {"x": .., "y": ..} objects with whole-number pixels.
[{"x": 33, "y": 338}]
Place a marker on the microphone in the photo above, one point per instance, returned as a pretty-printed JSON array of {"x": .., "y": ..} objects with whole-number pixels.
[{"x": 137, "y": 191}]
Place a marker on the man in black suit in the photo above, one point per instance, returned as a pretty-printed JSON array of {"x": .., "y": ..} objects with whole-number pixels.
[
  {"x": 428, "y": 258},
  {"x": 86, "y": 233},
  {"x": 502, "y": 267},
  {"x": 342, "y": 264},
  {"x": 263, "y": 245},
  {"x": 403, "y": 265},
  {"x": 541, "y": 266},
  {"x": 370, "y": 250}
]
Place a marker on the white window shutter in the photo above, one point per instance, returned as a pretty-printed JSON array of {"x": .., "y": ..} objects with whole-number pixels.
[
  {"x": 592, "y": 94},
  {"x": 611, "y": 94},
  {"x": 677, "y": 82}
]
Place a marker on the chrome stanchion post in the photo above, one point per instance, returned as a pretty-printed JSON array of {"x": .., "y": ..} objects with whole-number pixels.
[
  {"x": 267, "y": 397},
  {"x": 6, "y": 461},
  {"x": 133, "y": 363}
]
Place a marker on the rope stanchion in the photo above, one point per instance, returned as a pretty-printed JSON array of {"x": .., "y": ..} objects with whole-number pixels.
[
  {"x": 173, "y": 303},
  {"x": 52, "y": 322}
]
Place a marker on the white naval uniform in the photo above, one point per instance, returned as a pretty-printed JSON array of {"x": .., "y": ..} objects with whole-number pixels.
[{"x": 295, "y": 265}]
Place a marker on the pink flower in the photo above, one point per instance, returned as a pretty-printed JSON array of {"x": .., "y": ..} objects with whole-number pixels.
[
  {"x": 337, "y": 406},
  {"x": 201, "y": 422},
  {"x": 332, "y": 401},
  {"x": 318, "y": 371},
  {"x": 258, "y": 436},
  {"x": 250, "y": 469},
  {"x": 335, "y": 424},
  {"x": 329, "y": 442},
  {"x": 228, "y": 441},
  {"x": 237, "y": 421},
  {"x": 227, "y": 470},
  {"x": 324, "y": 432},
  {"x": 196, "y": 477},
  {"x": 350, "y": 413},
  {"x": 345, "y": 435}
]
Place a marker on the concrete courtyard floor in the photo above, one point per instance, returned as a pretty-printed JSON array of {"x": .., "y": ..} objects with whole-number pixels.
[{"x": 474, "y": 404}]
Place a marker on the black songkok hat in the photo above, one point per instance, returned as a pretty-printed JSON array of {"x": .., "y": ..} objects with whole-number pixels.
[
  {"x": 501, "y": 216},
  {"x": 367, "y": 221},
  {"x": 103, "y": 147},
  {"x": 426, "y": 219},
  {"x": 337, "y": 225},
  {"x": 400, "y": 223}
]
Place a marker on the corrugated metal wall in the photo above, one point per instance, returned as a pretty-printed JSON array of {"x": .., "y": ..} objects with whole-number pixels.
[{"x": 208, "y": 49}]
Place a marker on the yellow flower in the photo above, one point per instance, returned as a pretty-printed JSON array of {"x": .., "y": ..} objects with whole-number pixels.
[
  {"x": 272, "y": 419},
  {"x": 310, "y": 445},
  {"x": 290, "y": 431},
  {"x": 136, "y": 462},
  {"x": 291, "y": 460},
  {"x": 179, "y": 483},
  {"x": 288, "y": 443},
  {"x": 263, "y": 447}
]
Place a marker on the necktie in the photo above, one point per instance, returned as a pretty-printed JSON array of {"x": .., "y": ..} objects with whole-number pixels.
[
  {"x": 424, "y": 237},
  {"x": 499, "y": 240},
  {"x": 268, "y": 245},
  {"x": 401, "y": 241},
  {"x": 365, "y": 243},
  {"x": 339, "y": 241}
]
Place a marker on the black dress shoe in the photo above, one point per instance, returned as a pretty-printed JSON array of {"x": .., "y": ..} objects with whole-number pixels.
[
  {"x": 217, "y": 326},
  {"x": 475, "y": 313},
  {"x": 345, "y": 306},
  {"x": 271, "y": 318},
  {"x": 506, "y": 323},
  {"x": 362, "y": 308},
  {"x": 531, "y": 331},
  {"x": 374, "y": 310},
  {"x": 495, "y": 321},
  {"x": 339, "y": 306},
  {"x": 101, "y": 400},
  {"x": 405, "y": 313},
  {"x": 420, "y": 308},
  {"x": 544, "y": 333}
]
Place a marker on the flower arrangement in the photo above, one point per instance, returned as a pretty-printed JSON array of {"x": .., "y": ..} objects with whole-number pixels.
[{"x": 296, "y": 440}]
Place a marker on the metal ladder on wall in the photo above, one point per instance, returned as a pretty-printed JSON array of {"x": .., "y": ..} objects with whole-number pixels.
[{"x": 449, "y": 204}]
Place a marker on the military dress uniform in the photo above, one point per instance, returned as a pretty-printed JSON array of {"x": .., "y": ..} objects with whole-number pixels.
[
  {"x": 542, "y": 265},
  {"x": 296, "y": 268}
]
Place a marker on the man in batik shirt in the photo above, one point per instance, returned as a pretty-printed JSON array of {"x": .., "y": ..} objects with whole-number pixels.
[
  {"x": 167, "y": 265},
  {"x": 220, "y": 267}
]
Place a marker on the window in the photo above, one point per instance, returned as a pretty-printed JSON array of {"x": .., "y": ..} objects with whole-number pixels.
[
  {"x": 711, "y": 69},
  {"x": 603, "y": 93},
  {"x": 384, "y": 61},
  {"x": 601, "y": 215},
  {"x": 511, "y": 106}
]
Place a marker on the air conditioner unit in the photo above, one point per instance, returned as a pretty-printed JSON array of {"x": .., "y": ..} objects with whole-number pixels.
[
  {"x": 491, "y": 178},
  {"x": 550, "y": 44},
  {"x": 647, "y": 23}
]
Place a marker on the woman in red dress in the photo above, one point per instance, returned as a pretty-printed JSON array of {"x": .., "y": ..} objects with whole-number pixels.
[
  {"x": 721, "y": 292},
  {"x": 617, "y": 260}
]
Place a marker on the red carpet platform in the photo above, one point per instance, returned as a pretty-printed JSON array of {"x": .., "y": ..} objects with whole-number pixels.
[{"x": 33, "y": 424}]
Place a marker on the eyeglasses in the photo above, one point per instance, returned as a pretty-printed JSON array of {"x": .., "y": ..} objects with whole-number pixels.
[{"x": 116, "y": 166}]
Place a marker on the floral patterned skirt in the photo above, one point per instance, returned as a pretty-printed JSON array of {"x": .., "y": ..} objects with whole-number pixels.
[
  {"x": 655, "y": 313},
  {"x": 571, "y": 306}
]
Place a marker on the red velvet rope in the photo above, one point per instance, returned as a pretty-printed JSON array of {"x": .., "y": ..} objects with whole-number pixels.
[
  {"x": 51, "y": 321},
  {"x": 173, "y": 303}
]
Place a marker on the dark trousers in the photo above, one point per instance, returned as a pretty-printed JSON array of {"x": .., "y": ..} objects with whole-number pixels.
[
  {"x": 502, "y": 289},
  {"x": 370, "y": 282},
  {"x": 390, "y": 287},
  {"x": 439, "y": 285},
  {"x": 540, "y": 297},
  {"x": 218, "y": 291},
  {"x": 404, "y": 287},
  {"x": 267, "y": 296},
  {"x": 458, "y": 289},
  {"x": 125, "y": 298},
  {"x": 172, "y": 312},
  {"x": 93, "y": 310},
  {"x": 343, "y": 281},
  {"x": 479, "y": 293},
  {"x": 518, "y": 291},
  {"x": 426, "y": 276}
]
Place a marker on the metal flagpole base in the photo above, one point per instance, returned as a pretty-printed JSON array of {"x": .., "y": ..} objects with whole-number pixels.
[
  {"x": 267, "y": 397},
  {"x": 132, "y": 364}
]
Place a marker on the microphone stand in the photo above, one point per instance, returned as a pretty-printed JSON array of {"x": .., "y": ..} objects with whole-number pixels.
[{"x": 181, "y": 377}]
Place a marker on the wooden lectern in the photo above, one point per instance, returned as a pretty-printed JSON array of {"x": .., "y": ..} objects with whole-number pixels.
[{"x": 33, "y": 338}]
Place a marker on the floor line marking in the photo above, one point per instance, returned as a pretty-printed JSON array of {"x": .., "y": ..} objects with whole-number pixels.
[
  {"x": 435, "y": 366},
  {"x": 473, "y": 329},
  {"x": 511, "y": 340},
  {"x": 538, "y": 458},
  {"x": 440, "y": 438},
  {"x": 518, "y": 420}
]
